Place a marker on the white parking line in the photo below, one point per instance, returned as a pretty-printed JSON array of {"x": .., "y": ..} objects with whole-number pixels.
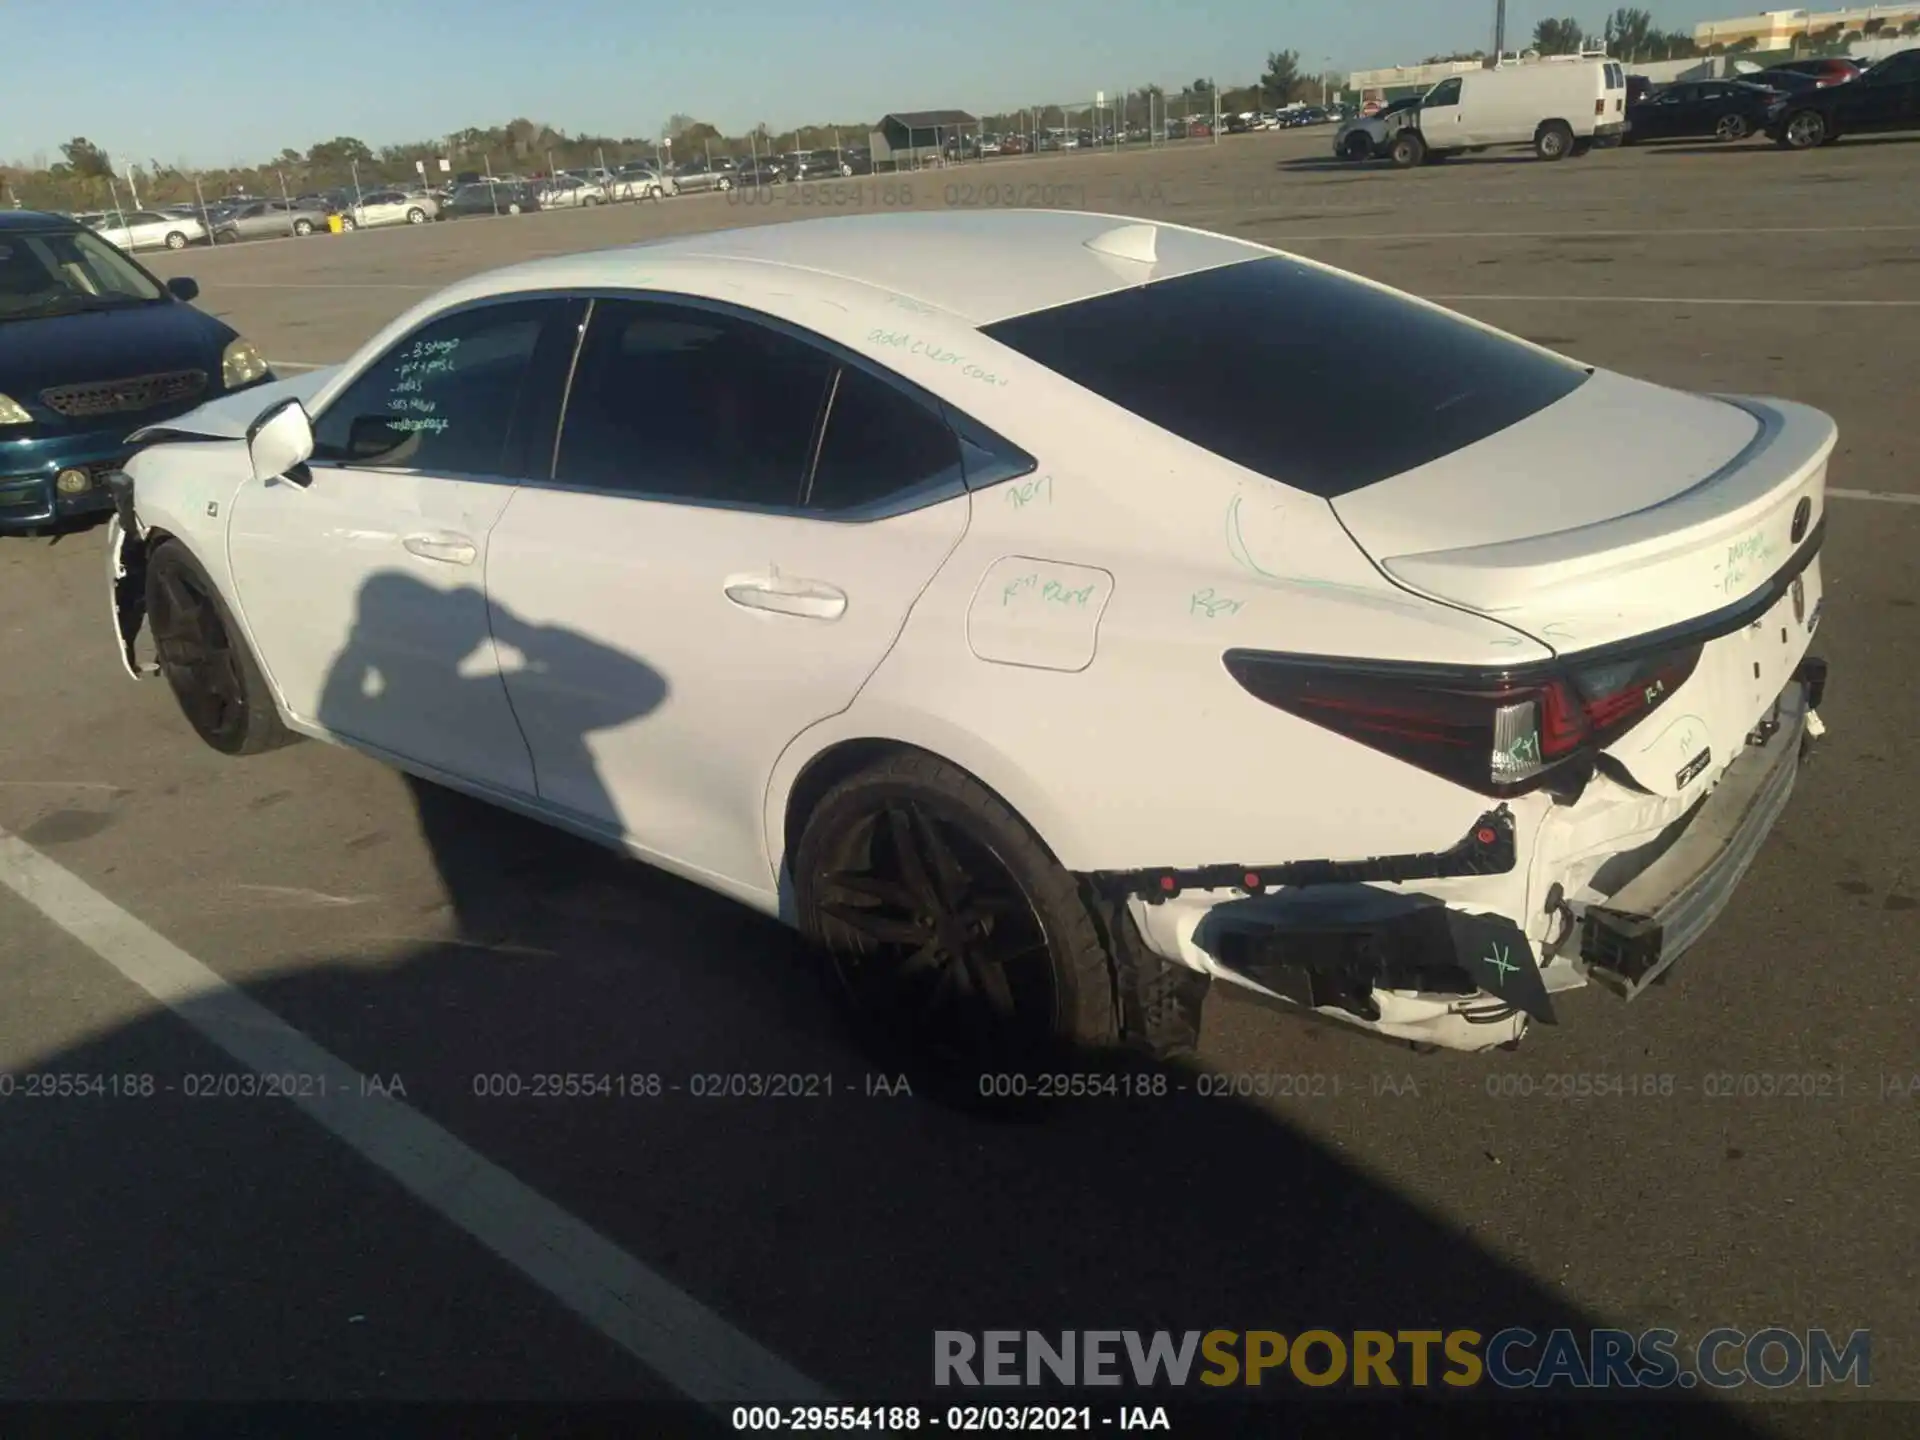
[
  {"x": 301, "y": 364},
  {"x": 1758, "y": 300},
  {"x": 1885, "y": 497},
  {"x": 687, "y": 1345}
]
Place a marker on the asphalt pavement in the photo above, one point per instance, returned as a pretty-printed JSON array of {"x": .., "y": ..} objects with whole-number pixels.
[{"x": 438, "y": 1236}]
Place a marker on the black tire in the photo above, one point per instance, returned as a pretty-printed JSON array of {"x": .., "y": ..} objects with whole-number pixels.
[
  {"x": 1408, "y": 150},
  {"x": 176, "y": 240},
  {"x": 1804, "y": 130},
  {"x": 208, "y": 665},
  {"x": 347, "y": 223},
  {"x": 416, "y": 216},
  {"x": 1358, "y": 147},
  {"x": 1554, "y": 141},
  {"x": 222, "y": 237},
  {"x": 959, "y": 945},
  {"x": 513, "y": 207},
  {"x": 1729, "y": 128},
  {"x": 1581, "y": 147},
  {"x": 725, "y": 184},
  {"x": 303, "y": 227}
]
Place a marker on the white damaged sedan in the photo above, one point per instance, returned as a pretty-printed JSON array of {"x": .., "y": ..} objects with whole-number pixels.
[{"x": 919, "y": 579}]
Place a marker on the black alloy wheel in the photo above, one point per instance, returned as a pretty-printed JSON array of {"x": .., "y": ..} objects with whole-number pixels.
[
  {"x": 946, "y": 945},
  {"x": 213, "y": 676}
]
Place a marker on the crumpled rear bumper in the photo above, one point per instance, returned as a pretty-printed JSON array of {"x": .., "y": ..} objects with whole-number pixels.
[
  {"x": 1653, "y": 919},
  {"x": 1455, "y": 968}
]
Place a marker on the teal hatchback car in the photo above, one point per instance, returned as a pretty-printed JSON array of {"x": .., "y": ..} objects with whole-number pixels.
[{"x": 92, "y": 348}]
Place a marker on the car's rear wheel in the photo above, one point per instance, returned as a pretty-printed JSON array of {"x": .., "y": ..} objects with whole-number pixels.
[
  {"x": 1554, "y": 141},
  {"x": 176, "y": 240},
  {"x": 416, "y": 216},
  {"x": 513, "y": 207},
  {"x": 960, "y": 946},
  {"x": 221, "y": 237},
  {"x": 212, "y": 673},
  {"x": 1408, "y": 150},
  {"x": 1731, "y": 127},
  {"x": 1580, "y": 148},
  {"x": 303, "y": 227},
  {"x": 1804, "y": 130},
  {"x": 725, "y": 184},
  {"x": 346, "y": 223},
  {"x": 1358, "y": 146}
]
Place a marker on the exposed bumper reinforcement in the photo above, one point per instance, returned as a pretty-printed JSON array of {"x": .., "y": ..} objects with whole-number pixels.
[
  {"x": 1647, "y": 925},
  {"x": 1486, "y": 849}
]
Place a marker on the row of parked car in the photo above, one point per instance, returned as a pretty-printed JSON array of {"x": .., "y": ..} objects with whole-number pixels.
[
  {"x": 245, "y": 217},
  {"x": 1569, "y": 105}
]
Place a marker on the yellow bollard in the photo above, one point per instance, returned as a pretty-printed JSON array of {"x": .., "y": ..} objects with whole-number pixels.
[{"x": 333, "y": 225}]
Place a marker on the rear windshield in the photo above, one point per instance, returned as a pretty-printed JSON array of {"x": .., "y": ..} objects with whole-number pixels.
[{"x": 1308, "y": 378}]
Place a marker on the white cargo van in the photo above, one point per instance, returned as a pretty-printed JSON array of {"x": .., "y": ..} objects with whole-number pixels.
[{"x": 1559, "y": 107}]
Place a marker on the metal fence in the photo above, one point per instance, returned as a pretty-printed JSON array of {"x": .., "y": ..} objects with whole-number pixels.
[{"x": 1128, "y": 117}]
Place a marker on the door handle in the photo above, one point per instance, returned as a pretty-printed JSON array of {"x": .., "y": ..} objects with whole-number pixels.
[
  {"x": 447, "y": 549},
  {"x": 806, "y": 598}
]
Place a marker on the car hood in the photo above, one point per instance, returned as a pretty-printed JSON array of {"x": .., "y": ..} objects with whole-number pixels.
[
  {"x": 108, "y": 345},
  {"x": 229, "y": 417}
]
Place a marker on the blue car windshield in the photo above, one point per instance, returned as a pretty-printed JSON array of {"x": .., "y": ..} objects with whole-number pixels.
[{"x": 58, "y": 271}]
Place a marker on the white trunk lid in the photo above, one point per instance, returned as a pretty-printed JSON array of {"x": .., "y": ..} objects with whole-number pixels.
[{"x": 1623, "y": 510}]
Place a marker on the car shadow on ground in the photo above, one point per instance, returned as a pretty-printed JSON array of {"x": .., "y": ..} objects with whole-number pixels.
[{"x": 196, "y": 1243}]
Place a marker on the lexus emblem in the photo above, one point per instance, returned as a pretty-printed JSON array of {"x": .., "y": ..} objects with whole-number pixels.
[{"x": 1801, "y": 514}]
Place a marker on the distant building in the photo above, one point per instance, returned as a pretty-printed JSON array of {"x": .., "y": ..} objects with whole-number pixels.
[
  {"x": 1778, "y": 29},
  {"x": 909, "y": 138}
]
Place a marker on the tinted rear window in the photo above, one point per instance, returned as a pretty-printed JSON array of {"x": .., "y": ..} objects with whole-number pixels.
[{"x": 1308, "y": 378}]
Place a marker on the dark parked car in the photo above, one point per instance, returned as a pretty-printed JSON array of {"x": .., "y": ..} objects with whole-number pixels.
[
  {"x": 1885, "y": 97},
  {"x": 811, "y": 165},
  {"x": 484, "y": 198},
  {"x": 1823, "y": 71},
  {"x": 1724, "y": 109},
  {"x": 1786, "y": 82},
  {"x": 763, "y": 171},
  {"x": 92, "y": 348}
]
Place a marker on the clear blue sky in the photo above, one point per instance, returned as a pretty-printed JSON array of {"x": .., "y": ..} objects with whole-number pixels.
[{"x": 210, "y": 82}]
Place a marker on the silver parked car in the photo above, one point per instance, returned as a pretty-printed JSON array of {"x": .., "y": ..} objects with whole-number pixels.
[
  {"x": 268, "y": 219},
  {"x": 146, "y": 229},
  {"x": 697, "y": 175},
  {"x": 390, "y": 207},
  {"x": 640, "y": 180},
  {"x": 560, "y": 192}
]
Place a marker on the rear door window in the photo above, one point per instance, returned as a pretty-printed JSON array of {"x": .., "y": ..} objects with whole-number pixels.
[{"x": 1308, "y": 377}]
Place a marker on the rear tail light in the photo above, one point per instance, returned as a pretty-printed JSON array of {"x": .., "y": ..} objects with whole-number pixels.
[
  {"x": 1497, "y": 733},
  {"x": 1600, "y": 107}
]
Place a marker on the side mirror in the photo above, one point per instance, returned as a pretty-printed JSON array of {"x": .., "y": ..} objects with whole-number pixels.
[
  {"x": 280, "y": 440},
  {"x": 181, "y": 288}
]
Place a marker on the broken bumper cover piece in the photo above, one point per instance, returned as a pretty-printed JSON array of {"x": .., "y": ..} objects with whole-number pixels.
[
  {"x": 1428, "y": 947},
  {"x": 1646, "y": 925}
]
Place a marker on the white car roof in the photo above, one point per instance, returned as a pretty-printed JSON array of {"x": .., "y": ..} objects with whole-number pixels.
[{"x": 981, "y": 265}]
